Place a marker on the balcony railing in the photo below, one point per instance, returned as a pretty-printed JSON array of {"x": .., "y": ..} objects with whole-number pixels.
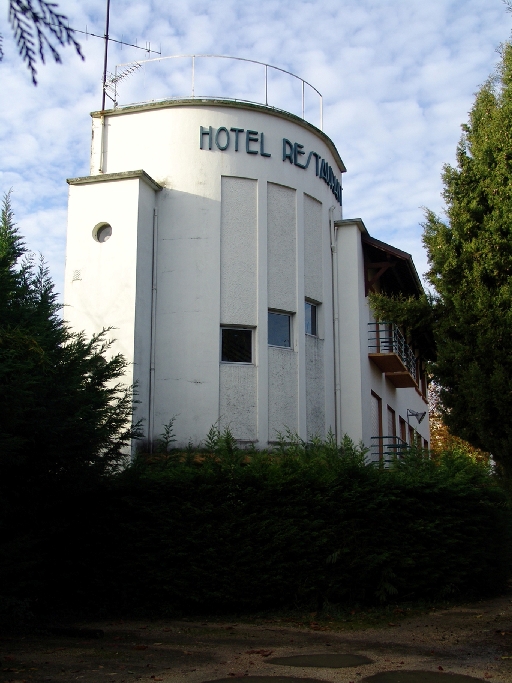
[
  {"x": 386, "y": 449},
  {"x": 391, "y": 353}
]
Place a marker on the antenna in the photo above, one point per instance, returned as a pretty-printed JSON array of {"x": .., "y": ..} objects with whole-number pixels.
[
  {"x": 414, "y": 413},
  {"x": 110, "y": 83},
  {"x": 110, "y": 80},
  {"x": 107, "y": 83},
  {"x": 105, "y": 58}
]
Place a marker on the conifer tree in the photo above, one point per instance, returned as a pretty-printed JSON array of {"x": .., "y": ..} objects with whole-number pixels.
[
  {"x": 470, "y": 259},
  {"x": 39, "y": 29},
  {"x": 64, "y": 417}
]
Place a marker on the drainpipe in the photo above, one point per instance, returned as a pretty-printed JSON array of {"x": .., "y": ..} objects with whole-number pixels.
[
  {"x": 336, "y": 334},
  {"x": 151, "y": 420},
  {"x": 102, "y": 147}
]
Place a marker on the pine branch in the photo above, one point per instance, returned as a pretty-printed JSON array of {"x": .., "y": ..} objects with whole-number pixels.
[
  {"x": 38, "y": 28},
  {"x": 11, "y": 243}
]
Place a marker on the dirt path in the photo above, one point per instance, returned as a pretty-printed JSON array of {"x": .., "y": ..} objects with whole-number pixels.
[{"x": 473, "y": 639}]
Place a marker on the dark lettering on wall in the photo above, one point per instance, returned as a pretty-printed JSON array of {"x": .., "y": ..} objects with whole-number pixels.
[
  {"x": 205, "y": 131},
  {"x": 220, "y": 130},
  {"x": 309, "y": 158},
  {"x": 251, "y": 136},
  {"x": 262, "y": 147},
  {"x": 298, "y": 151},
  {"x": 254, "y": 140},
  {"x": 236, "y": 131},
  {"x": 317, "y": 159},
  {"x": 287, "y": 150},
  {"x": 293, "y": 153},
  {"x": 255, "y": 144}
]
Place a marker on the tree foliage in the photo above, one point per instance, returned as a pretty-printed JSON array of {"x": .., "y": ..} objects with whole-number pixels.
[
  {"x": 442, "y": 441},
  {"x": 64, "y": 416},
  {"x": 38, "y": 29},
  {"x": 235, "y": 530},
  {"x": 470, "y": 258},
  {"x": 416, "y": 316},
  {"x": 470, "y": 270}
]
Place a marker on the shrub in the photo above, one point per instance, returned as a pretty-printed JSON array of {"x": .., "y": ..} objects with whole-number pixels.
[{"x": 238, "y": 530}]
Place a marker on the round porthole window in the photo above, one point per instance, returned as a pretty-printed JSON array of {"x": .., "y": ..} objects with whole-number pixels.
[{"x": 102, "y": 232}]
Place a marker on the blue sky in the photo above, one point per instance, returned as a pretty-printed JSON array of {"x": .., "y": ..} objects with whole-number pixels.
[{"x": 398, "y": 78}]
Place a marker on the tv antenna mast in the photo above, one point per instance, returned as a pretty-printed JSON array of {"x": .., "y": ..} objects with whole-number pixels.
[
  {"x": 106, "y": 83},
  {"x": 105, "y": 58},
  {"x": 109, "y": 81}
]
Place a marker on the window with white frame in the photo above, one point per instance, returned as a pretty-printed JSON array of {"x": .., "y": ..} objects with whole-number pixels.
[
  {"x": 236, "y": 345},
  {"x": 279, "y": 329},
  {"x": 311, "y": 318}
]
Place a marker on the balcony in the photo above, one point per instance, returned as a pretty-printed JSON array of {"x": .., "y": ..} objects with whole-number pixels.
[
  {"x": 386, "y": 449},
  {"x": 392, "y": 355}
]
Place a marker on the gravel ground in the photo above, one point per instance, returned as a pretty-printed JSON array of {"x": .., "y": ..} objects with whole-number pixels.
[{"x": 472, "y": 639}]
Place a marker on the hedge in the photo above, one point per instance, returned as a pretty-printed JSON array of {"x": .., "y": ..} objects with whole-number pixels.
[{"x": 244, "y": 533}]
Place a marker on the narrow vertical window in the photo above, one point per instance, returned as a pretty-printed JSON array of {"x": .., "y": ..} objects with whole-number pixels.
[
  {"x": 391, "y": 424},
  {"x": 279, "y": 329},
  {"x": 376, "y": 416},
  {"x": 424, "y": 383},
  {"x": 412, "y": 440},
  {"x": 311, "y": 319},
  {"x": 403, "y": 430}
]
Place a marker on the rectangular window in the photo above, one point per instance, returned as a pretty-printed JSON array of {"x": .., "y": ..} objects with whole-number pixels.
[
  {"x": 376, "y": 416},
  {"x": 391, "y": 423},
  {"x": 412, "y": 441},
  {"x": 424, "y": 383},
  {"x": 311, "y": 319},
  {"x": 403, "y": 430},
  {"x": 279, "y": 329},
  {"x": 236, "y": 345}
]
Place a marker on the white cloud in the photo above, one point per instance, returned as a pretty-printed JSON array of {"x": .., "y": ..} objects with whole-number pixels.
[{"x": 398, "y": 78}]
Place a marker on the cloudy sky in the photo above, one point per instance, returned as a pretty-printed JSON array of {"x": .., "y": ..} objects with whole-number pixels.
[{"x": 398, "y": 78}]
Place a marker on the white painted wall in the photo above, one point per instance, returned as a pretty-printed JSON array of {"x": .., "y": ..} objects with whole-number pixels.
[
  {"x": 359, "y": 375},
  {"x": 282, "y": 249},
  {"x": 236, "y": 233},
  {"x": 109, "y": 284},
  {"x": 315, "y": 387},
  {"x": 353, "y": 359},
  {"x": 283, "y": 396},
  {"x": 238, "y": 400},
  {"x": 238, "y": 251}
]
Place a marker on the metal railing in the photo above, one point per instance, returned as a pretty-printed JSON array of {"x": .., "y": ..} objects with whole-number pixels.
[
  {"x": 387, "y": 448},
  {"x": 128, "y": 68},
  {"x": 384, "y": 337}
]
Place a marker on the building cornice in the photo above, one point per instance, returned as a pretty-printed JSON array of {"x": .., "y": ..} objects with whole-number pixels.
[
  {"x": 346, "y": 222},
  {"x": 111, "y": 177},
  {"x": 248, "y": 106}
]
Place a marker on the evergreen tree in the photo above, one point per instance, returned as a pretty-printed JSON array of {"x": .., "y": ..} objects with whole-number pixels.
[
  {"x": 39, "y": 29},
  {"x": 470, "y": 259},
  {"x": 64, "y": 417}
]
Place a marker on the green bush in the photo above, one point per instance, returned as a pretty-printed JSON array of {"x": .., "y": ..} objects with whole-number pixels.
[{"x": 235, "y": 530}]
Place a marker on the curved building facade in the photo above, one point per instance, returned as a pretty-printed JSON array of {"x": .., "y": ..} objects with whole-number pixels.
[{"x": 210, "y": 235}]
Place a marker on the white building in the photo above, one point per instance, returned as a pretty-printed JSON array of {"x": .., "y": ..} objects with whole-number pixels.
[{"x": 210, "y": 235}]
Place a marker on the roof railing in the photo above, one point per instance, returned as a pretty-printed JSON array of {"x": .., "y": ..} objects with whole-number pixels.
[{"x": 129, "y": 68}]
